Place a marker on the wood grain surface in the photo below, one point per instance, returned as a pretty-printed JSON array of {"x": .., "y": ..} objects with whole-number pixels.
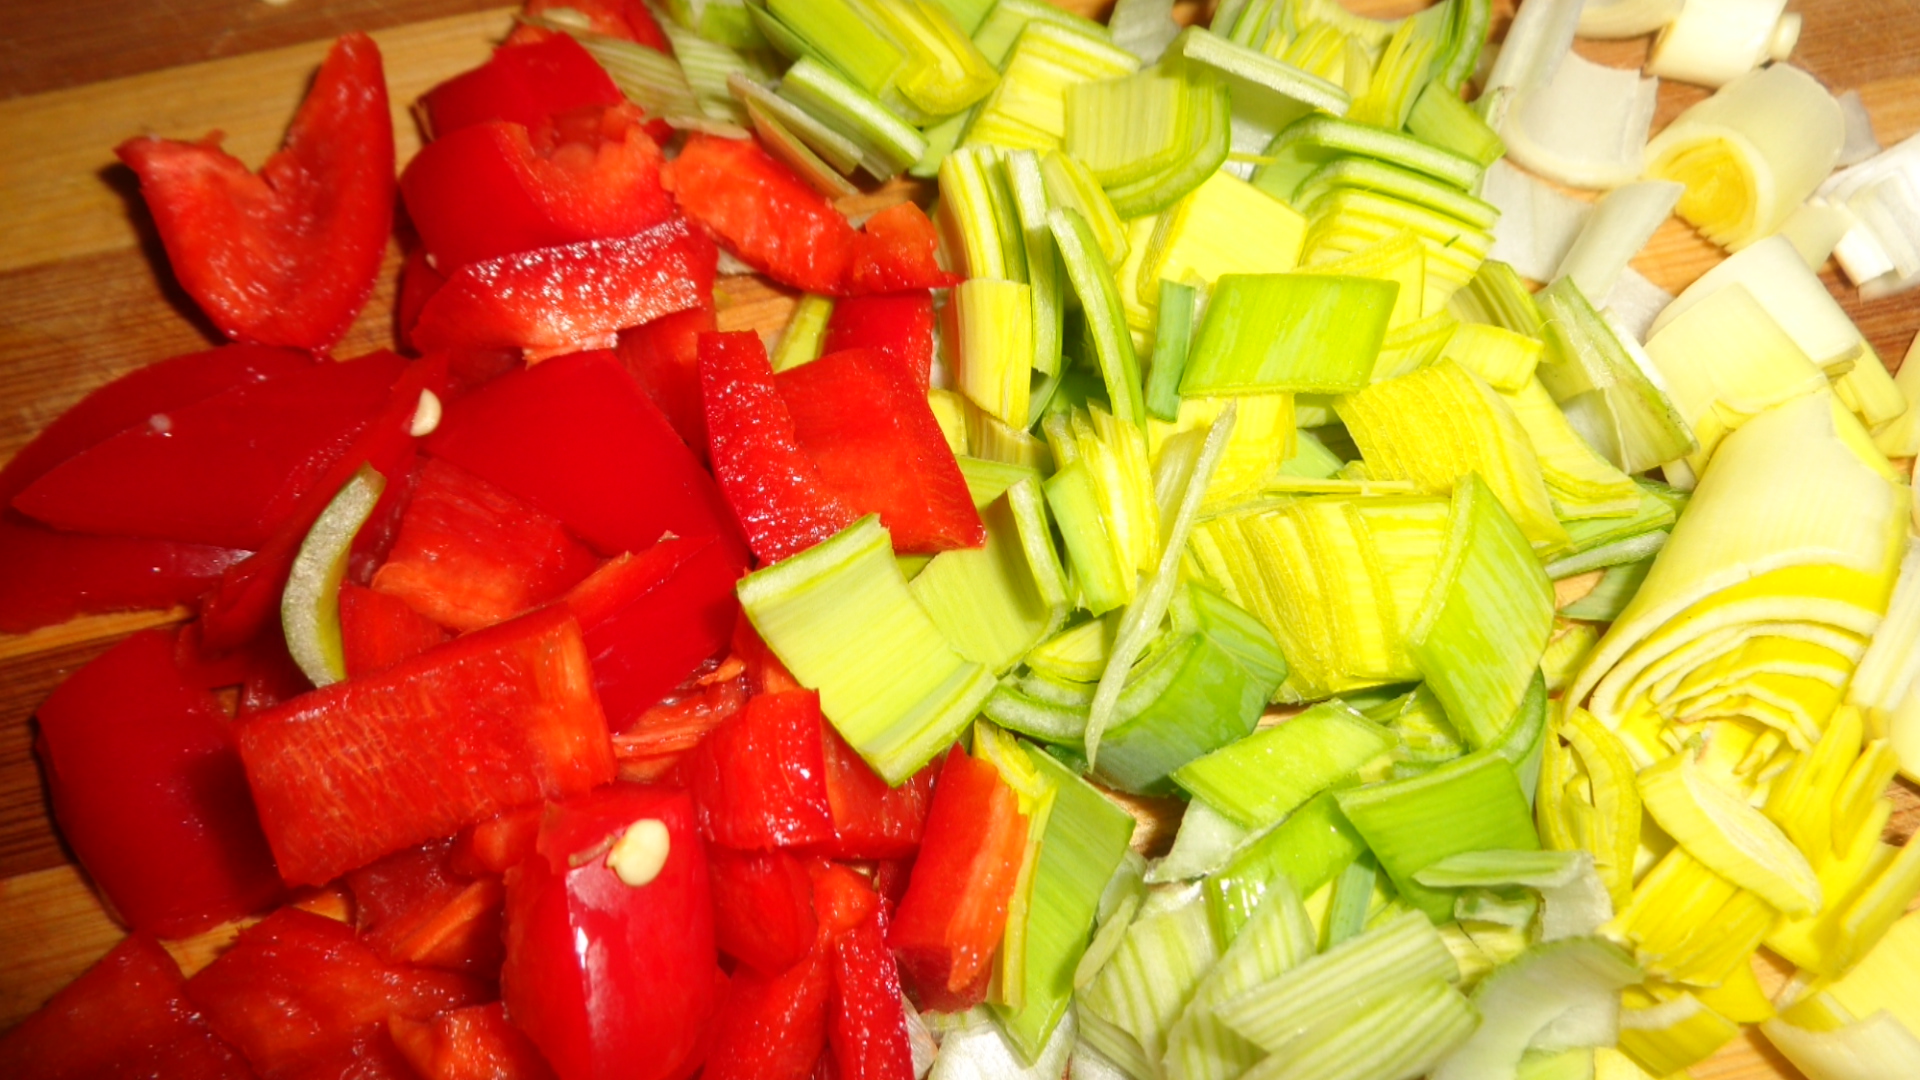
[{"x": 85, "y": 296}]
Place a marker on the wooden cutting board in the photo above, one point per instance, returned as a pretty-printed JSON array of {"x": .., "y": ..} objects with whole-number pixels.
[{"x": 85, "y": 295}]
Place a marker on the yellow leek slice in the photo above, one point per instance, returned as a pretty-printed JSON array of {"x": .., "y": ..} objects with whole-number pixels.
[
  {"x": 1671, "y": 1035},
  {"x": 1728, "y": 835},
  {"x": 1226, "y": 226},
  {"x": 1503, "y": 358},
  {"x": 1028, "y": 107},
  {"x": 1581, "y": 482},
  {"x": 1713, "y": 42},
  {"x": 1868, "y": 1049}
]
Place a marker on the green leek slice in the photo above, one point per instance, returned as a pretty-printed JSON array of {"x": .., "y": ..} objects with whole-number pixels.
[
  {"x": 1278, "y": 938},
  {"x": 1141, "y": 991},
  {"x": 1523, "y": 1000},
  {"x": 1028, "y": 109},
  {"x": 1268, "y": 333},
  {"x": 1267, "y": 95},
  {"x": 1262, "y": 778},
  {"x": 1313, "y": 141},
  {"x": 985, "y": 599},
  {"x": 1609, "y": 396},
  {"x": 888, "y": 143},
  {"x": 310, "y": 605},
  {"x": 1094, "y": 283}
]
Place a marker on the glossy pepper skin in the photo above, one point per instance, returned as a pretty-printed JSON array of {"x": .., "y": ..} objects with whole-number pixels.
[
  {"x": 611, "y": 979},
  {"x": 521, "y": 83},
  {"x": 287, "y": 256}
]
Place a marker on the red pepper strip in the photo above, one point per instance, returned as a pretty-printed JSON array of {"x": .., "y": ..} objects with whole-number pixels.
[
  {"x": 498, "y": 844},
  {"x": 612, "y": 978},
  {"x": 654, "y": 742},
  {"x": 469, "y": 1044},
  {"x": 627, "y": 20},
  {"x": 298, "y": 988},
  {"x": 125, "y": 1016},
  {"x": 773, "y": 1027},
  {"x": 870, "y": 819},
  {"x": 418, "y": 282},
  {"x": 868, "y": 428},
  {"x": 501, "y": 188},
  {"x": 508, "y": 711},
  {"x": 897, "y": 325},
  {"x": 577, "y": 438},
  {"x": 868, "y": 1026},
  {"x": 48, "y": 577},
  {"x": 898, "y": 250},
  {"x": 414, "y": 907},
  {"x": 651, "y": 620},
  {"x": 288, "y": 256},
  {"x": 757, "y": 779},
  {"x": 470, "y": 555},
  {"x": 378, "y": 631},
  {"x": 563, "y": 299},
  {"x": 664, "y": 358},
  {"x": 149, "y": 792},
  {"x": 762, "y": 907},
  {"x": 955, "y": 909},
  {"x": 773, "y": 486},
  {"x": 522, "y": 83},
  {"x": 763, "y": 212}
]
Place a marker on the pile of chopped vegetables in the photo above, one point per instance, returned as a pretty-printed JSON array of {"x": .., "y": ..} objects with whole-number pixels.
[{"x": 1235, "y": 422}]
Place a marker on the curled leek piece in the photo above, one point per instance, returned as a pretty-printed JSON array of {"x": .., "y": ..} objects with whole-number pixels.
[
  {"x": 1586, "y": 127},
  {"x": 1713, "y": 42},
  {"x": 1876, "y": 1046},
  {"x": 1625, "y": 18}
]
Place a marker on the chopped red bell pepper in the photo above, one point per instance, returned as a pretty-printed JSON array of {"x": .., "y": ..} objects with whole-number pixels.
[
  {"x": 773, "y": 1027},
  {"x": 763, "y": 212},
  {"x": 521, "y": 83},
  {"x": 288, "y": 256},
  {"x": 556, "y": 300},
  {"x": 842, "y": 899},
  {"x": 652, "y": 744},
  {"x": 765, "y": 673},
  {"x": 650, "y": 620},
  {"x": 126, "y": 1015},
  {"x": 762, "y": 907},
  {"x": 757, "y": 779},
  {"x": 576, "y": 437},
  {"x": 48, "y": 577},
  {"x": 627, "y": 20},
  {"x": 867, "y": 1027},
  {"x": 611, "y": 978},
  {"x": 498, "y": 844},
  {"x": 869, "y": 429},
  {"x": 378, "y": 631},
  {"x": 474, "y": 1043},
  {"x": 955, "y": 909},
  {"x": 502, "y": 187},
  {"x": 470, "y": 555},
  {"x": 773, "y": 486},
  {"x": 225, "y": 471},
  {"x": 298, "y": 988},
  {"x": 414, "y": 907},
  {"x": 149, "y": 792},
  {"x": 505, "y": 716},
  {"x": 664, "y": 358},
  {"x": 418, "y": 282},
  {"x": 897, "y": 325},
  {"x": 870, "y": 819},
  {"x": 897, "y": 250}
]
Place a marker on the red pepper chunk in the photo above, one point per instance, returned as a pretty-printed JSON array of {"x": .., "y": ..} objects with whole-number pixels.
[
  {"x": 48, "y": 577},
  {"x": 870, "y": 819},
  {"x": 474, "y": 1043},
  {"x": 955, "y": 909},
  {"x": 126, "y": 1016},
  {"x": 868, "y": 1026},
  {"x": 762, "y": 907},
  {"x": 899, "y": 326},
  {"x": 773, "y": 1027},
  {"x": 609, "y": 976},
  {"x": 492, "y": 720},
  {"x": 773, "y": 486},
  {"x": 758, "y": 779},
  {"x": 288, "y": 256},
  {"x": 898, "y": 250},
  {"x": 521, "y": 83},
  {"x": 664, "y": 358},
  {"x": 378, "y": 631},
  {"x": 763, "y": 212},
  {"x": 150, "y": 794}
]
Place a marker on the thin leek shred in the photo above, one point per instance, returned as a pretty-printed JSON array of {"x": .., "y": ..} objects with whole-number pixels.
[
  {"x": 1309, "y": 849},
  {"x": 838, "y": 33},
  {"x": 1712, "y": 42},
  {"x": 1311, "y": 142},
  {"x": 1581, "y": 483},
  {"x": 842, "y": 619},
  {"x": 1620, "y": 225},
  {"x": 1522, "y": 1001},
  {"x": 1226, "y": 226},
  {"x": 985, "y": 599},
  {"x": 1441, "y": 423},
  {"x": 1265, "y": 93},
  {"x": 1614, "y": 400},
  {"x": 1505, "y": 359},
  {"x": 1485, "y": 620},
  {"x": 806, "y": 328},
  {"x": 1472, "y": 804},
  {"x": 1102, "y": 498},
  {"x": 1132, "y": 1005},
  {"x": 833, "y": 148},
  {"x": 1751, "y": 153},
  {"x": 1610, "y": 597},
  {"x": 1261, "y": 779},
  {"x": 1071, "y": 186},
  {"x": 1585, "y": 127},
  {"x": 1288, "y": 333},
  {"x": 1083, "y": 844},
  {"x": 979, "y": 222},
  {"x": 1439, "y": 117},
  {"x": 1094, "y": 283},
  {"x": 1574, "y": 902},
  {"x": 1264, "y": 438},
  {"x": 710, "y": 67},
  {"x": 1348, "y": 220},
  {"x": 1278, "y": 938},
  {"x": 1725, "y": 361},
  {"x": 1028, "y": 108},
  {"x": 651, "y": 79},
  {"x": 787, "y": 145},
  {"x": 1170, "y": 344},
  {"x": 1538, "y": 222},
  {"x": 1598, "y": 542},
  {"x": 1284, "y": 1014},
  {"x": 1026, "y": 184},
  {"x": 888, "y": 143}
]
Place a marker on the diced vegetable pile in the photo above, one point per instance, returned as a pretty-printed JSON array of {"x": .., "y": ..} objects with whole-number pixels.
[{"x": 599, "y": 688}]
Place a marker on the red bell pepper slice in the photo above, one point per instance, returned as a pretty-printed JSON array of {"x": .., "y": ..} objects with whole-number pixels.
[
  {"x": 758, "y": 779},
  {"x": 897, "y": 250},
  {"x": 955, "y": 909},
  {"x": 612, "y": 979},
  {"x": 868, "y": 428},
  {"x": 556, "y": 300},
  {"x": 664, "y": 358},
  {"x": 763, "y": 212},
  {"x": 125, "y": 1016},
  {"x": 498, "y": 844},
  {"x": 773, "y": 486},
  {"x": 576, "y": 438},
  {"x": 418, "y": 282},
  {"x": 521, "y": 83},
  {"x": 150, "y": 794},
  {"x": 48, "y": 577},
  {"x": 899, "y": 326},
  {"x": 378, "y": 631},
  {"x": 225, "y": 471},
  {"x": 762, "y": 907},
  {"x": 474, "y": 1043},
  {"x": 500, "y": 188},
  {"x": 773, "y": 1027},
  {"x": 842, "y": 899},
  {"x": 652, "y": 745},
  {"x": 299, "y": 988},
  {"x": 288, "y": 256},
  {"x": 867, "y": 1028},
  {"x": 627, "y": 20},
  {"x": 650, "y": 620},
  {"x": 470, "y": 555},
  {"x": 414, "y": 907},
  {"x": 870, "y": 819},
  {"x": 498, "y": 718}
]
